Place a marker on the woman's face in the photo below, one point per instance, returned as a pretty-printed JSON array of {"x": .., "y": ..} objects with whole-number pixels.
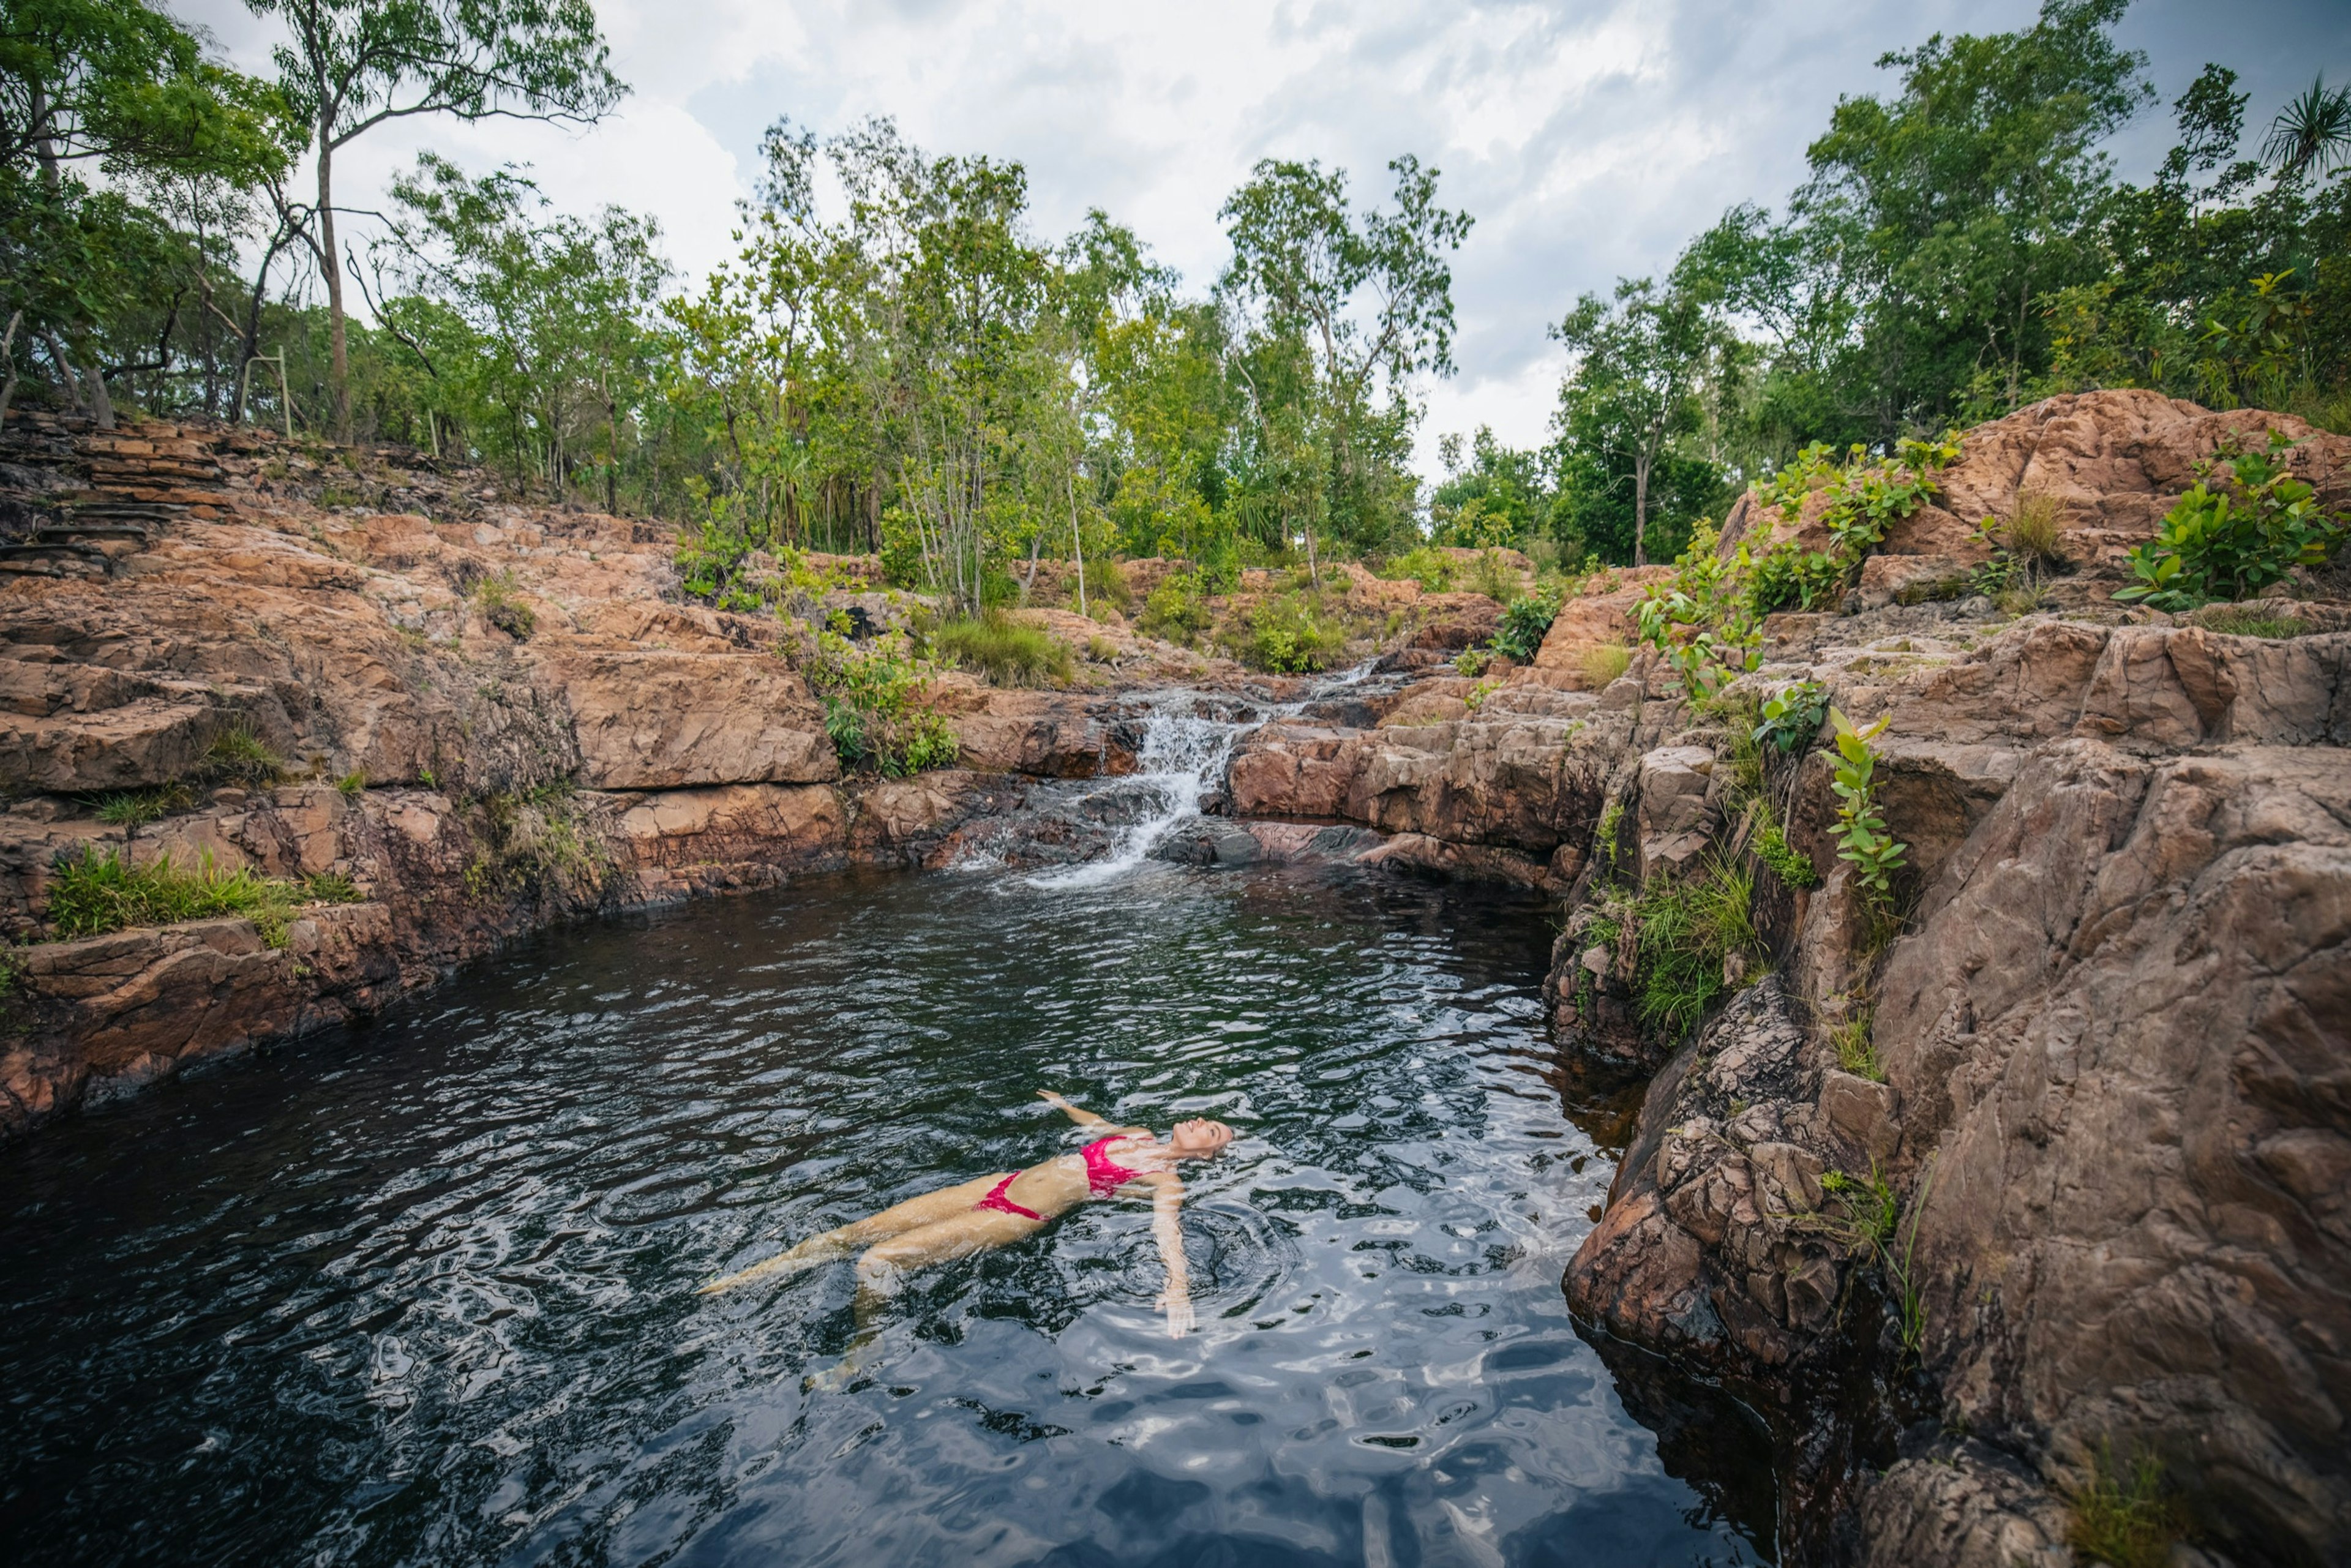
[{"x": 1199, "y": 1137}]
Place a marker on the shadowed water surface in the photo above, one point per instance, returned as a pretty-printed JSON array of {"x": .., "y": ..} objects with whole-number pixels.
[{"x": 423, "y": 1294}]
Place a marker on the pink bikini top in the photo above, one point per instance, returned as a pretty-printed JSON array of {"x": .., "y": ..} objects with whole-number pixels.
[{"x": 1102, "y": 1174}]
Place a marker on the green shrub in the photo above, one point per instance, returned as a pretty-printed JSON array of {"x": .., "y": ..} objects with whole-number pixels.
[
  {"x": 1498, "y": 579},
  {"x": 2230, "y": 537},
  {"x": 1789, "y": 576},
  {"x": 352, "y": 784},
  {"x": 101, "y": 889},
  {"x": 1289, "y": 636},
  {"x": 1792, "y": 715},
  {"x": 1525, "y": 624},
  {"x": 874, "y": 708},
  {"x": 1435, "y": 570},
  {"x": 239, "y": 756},
  {"x": 1176, "y": 610},
  {"x": 1007, "y": 652},
  {"x": 2124, "y": 1522},
  {"x": 1685, "y": 929},
  {"x": 136, "y": 808}
]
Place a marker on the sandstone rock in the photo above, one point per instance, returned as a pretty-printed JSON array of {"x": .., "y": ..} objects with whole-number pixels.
[
  {"x": 2127, "y": 986},
  {"x": 667, "y": 721},
  {"x": 1968, "y": 1506},
  {"x": 1675, "y": 820}
]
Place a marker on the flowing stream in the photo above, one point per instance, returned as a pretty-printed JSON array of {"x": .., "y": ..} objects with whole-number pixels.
[{"x": 424, "y": 1294}]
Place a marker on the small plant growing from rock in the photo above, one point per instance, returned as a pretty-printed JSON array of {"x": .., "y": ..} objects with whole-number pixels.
[
  {"x": 2234, "y": 621},
  {"x": 2230, "y": 537},
  {"x": 502, "y": 609},
  {"x": 1779, "y": 856},
  {"x": 1857, "y": 1050},
  {"x": 239, "y": 756},
  {"x": 1685, "y": 929},
  {"x": 353, "y": 785},
  {"x": 1792, "y": 715},
  {"x": 98, "y": 891},
  {"x": 2124, "y": 1519},
  {"x": 134, "y": 809},
  {"x": 1861, "y": 835}
]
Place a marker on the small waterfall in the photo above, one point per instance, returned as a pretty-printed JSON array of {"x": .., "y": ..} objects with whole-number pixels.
[{"x": 1188, "y": 742}]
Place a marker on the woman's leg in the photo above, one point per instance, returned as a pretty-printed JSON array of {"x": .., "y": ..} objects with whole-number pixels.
[{"x": 929, "y": 1208}]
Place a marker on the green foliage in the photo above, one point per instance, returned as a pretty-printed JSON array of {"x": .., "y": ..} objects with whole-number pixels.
[
  {"x": 1791, "y": 717},
  {"x": 1435, "y": 570},
  {"x": 1289, "y": 635},
  {"x": 2233, "y": 535},
  {"x": 239, "y": 756},
  {"x": 2125, "y": 1518},
  {"x": 1007, "y": 652},
  {"x": 1497, "y": 496},
  {"x": 1871, "y": 1210},
  {"x": 100, "y": 891},
  {"x": 1790, "y": 577},
  {"x": 873, "y": 706},
  {"x": 502, "y": 608},
  {"x": 1604, "y": 833},
  {"x": 1685, "y": 929},
  {"x": 1177, "y": 608},
  {"x": 1860, "y": 832},
  {"x": 1495, "y": 578},
  {"x": 134, "y": 809},
  {"x": 1525, "y": 623},
  {"x": 353, "y": 785},
  {"x": 1779, "y": 856}
]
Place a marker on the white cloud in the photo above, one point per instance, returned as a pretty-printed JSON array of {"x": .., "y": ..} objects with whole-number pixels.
[{"x": 1590, "y": 138}]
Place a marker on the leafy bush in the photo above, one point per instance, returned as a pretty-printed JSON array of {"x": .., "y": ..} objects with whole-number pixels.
[
  {"x": 1686, "y": 930},
  {"x": 2230, "y": 537},
  {"x": 872, "y": 706},
  {"x": 239, "y": 756},
  {"x": 1860, "y": 832},
  {"x": 1790, "y": 576},
  {"x": 1435, "y": 570},
  {"x": 1497, "y": 578},
  {"x": 1524, "y": 624},
  {"x": 1605, "y": 663},
  {"x": 1177, "y": 608},
  {"x": 1007, "y": 652},
  {"x": 1289, "y": 636},
  {"x": 101, "y": 889},
  {"x": 1792, "y": 715}
]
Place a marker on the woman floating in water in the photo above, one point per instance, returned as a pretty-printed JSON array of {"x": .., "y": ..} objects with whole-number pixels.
[{"x": 958, "y": 1221}]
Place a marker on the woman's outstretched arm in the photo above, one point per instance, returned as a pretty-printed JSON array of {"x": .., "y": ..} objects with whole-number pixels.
[
  {"x": 1086, "y": 1118},
  {"x": 1167, "y": 1209}
]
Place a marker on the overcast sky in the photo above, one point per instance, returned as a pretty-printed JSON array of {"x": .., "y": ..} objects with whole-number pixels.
[{"x": 1590, "y": 138}]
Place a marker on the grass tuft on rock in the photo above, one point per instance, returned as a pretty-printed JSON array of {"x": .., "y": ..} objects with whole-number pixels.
[
  {"x": 1004, "y": 650},
  {"x": 135, "y": 809},
  {"x": 2231, "y": 621},
  {"x": 2124, "y": 1522},
  {"x": 1686, "y": 929},
  {"x": 239, "y": 756},
  {"x": 100, "y": 891}
]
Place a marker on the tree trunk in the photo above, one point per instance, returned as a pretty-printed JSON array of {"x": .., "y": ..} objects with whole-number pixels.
[
  {"x": 612, "y": 448},
  {"x": 101, "y": 404},
  {"x": 8, "y": 358},
  {"x": 1077, "y": 545},
  {"x": 66, "y": 376},
  {"x": 330, "y": 265},
  {"x": 1641, "y": 508}
]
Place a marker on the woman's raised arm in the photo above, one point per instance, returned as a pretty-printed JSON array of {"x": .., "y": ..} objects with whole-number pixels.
[{"x": 1084, "y": 1118}]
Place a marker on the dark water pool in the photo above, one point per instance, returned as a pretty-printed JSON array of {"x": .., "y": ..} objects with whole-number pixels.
[{"x": 423, "y": 1294}]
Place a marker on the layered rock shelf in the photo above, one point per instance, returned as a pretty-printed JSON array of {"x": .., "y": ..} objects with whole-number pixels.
[{"x": 2034, "y": 1169}]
